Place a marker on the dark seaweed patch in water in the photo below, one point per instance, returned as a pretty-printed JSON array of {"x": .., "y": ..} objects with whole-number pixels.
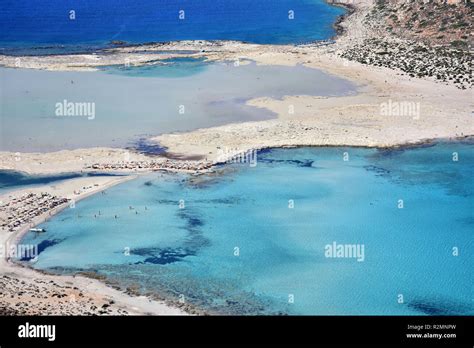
[
  {"x": 167, "y": 201},
  {"x": 406, "y": 173},
  {"x": 306, "y": 164},
  {"x": 42, "y": 246},
  {"x": 440, "y": 307},
  {"x": 228, "y": 200},
  {"x": 379, "y": 171},
  {"x": 196, "y": 242},
  {"x": 299, "y": 163},
  {"x": 203, "y": 181},
  {"x": 192, "y": 244},
  {"x": 161, "y": 256},
  {"x": 192, "y": 219},
  {"x": 195, "y": 239},
  {"x": 467, "y": 220}
]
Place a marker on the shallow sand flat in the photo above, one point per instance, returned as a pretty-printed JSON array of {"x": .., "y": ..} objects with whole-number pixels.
[
  {"x": 26, "y": 291},
  {"x": 444, "y": 110},
  {"x": 354, "y": 120},
  {"x": 80, "y": 62},
  {"x": 351, "y": 121},
  {"x": 128, "y": 105},
  {"x": 64, "y": 161},
  {"x": 316, "y": 121}
]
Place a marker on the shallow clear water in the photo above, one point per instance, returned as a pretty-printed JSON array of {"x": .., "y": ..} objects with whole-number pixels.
[
  {"x": 191, "y": 251},
  {"x": 171, "y": 68},
  {"x": 134, "y": 103},
  {"x": 47, "y": 23}
]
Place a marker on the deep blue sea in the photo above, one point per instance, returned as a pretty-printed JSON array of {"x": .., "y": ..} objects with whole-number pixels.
[
  {"x": 40, "y": 23},
  {"x": 408, "y": 266}
]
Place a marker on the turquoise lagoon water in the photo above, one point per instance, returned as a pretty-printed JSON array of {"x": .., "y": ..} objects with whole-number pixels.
[
  {"x": 135, "y": 103},
  {"x": 190, "y": 251},
  {"x": 45, "y": 25}
]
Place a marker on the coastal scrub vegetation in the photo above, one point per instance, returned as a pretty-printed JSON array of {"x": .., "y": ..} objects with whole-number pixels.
[{"x": 422, "y": 39}]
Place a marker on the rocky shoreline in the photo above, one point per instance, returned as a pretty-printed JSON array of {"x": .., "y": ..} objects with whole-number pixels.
[
  {"x": 48, "y": 297},
  {"x": 338, "y": 27},
  {"x": 447, "y": 65},
  {"x": 378, "y": 44},
  {"x": 196, "y": 167}
]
